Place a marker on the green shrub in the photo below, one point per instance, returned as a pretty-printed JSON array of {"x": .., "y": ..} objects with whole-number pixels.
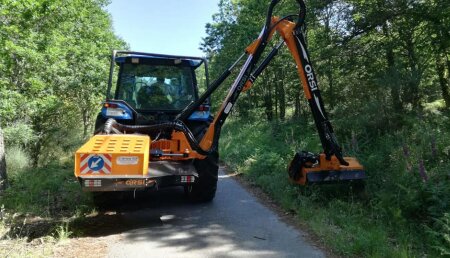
[
  {"x": 407, "y": 192},
  {"x": 440, "y": 234},
  {"x": 17, "y": 160},
  {"x": 62, "y": 232},
  {"x": 19, "y": 134},
  {"x": 45, "y": 191}
]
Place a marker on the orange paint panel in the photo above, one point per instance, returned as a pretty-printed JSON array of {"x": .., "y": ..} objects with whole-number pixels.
[
  {"x": 285, "y": 29},
  {"x": 113, "y": 155},
  {"x": 178, "y": 144},
  {"x": 252, "y": 47},
  {"x": 207, "y": 140},
  {"x": 247, "y": 86}
]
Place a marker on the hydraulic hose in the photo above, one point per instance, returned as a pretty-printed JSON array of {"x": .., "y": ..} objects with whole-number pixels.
[{"x": 113, "y": 127}]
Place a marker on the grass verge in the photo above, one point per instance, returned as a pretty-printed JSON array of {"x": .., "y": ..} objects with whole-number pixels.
[
  {"x": 36, "y": 210},
  {"x": 387, "y": 220}
]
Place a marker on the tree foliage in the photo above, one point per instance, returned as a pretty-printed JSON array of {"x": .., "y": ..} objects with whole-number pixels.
[
  {"x": 3, "y": 175},
  {"x": 395, "y": 53},
  {"x": 384, "y": 72},
  {"x": 53, "y": 71}
]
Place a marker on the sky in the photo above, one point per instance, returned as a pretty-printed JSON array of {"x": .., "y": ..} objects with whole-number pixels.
[{"x": 163, "y": 26}]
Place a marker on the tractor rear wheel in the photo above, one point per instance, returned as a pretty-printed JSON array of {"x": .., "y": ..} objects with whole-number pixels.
[{"x": 204, "y": 190}]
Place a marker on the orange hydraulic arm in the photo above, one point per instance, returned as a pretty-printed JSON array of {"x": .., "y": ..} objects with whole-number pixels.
[
  {"x": 305, "y": 167},
  {"x": 292, "y": 36}
]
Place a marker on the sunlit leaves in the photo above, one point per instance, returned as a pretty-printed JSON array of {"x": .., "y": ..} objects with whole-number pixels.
[{"x": 54, "y": 59}]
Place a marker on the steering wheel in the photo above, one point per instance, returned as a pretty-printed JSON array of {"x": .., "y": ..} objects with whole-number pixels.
[
  {"x": 141, "y": 83},
  {"x": 153, "y": 97}
]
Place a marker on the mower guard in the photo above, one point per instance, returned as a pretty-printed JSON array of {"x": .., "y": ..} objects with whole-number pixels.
[
  {"x": 121, "y": 163},
  {"x": 307, "y": 168}
]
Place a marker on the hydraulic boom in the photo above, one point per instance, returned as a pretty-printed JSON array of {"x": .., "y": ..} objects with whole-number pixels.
[{"x": 306, "y": 167}]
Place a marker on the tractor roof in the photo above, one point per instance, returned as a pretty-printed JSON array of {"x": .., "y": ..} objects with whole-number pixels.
[{"x": 158, "y": 60}]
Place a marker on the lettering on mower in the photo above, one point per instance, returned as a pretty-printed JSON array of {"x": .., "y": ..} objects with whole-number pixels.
[
  {"x": 311, "y": 80},
  {"x": 135, "y": 182}
]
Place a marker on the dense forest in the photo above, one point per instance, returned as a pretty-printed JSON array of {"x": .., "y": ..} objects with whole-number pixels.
[
  {"x": 54, "y": 58},
  {"x": 384, "y": 72},
  {"x": 53, "y": 65},
  {"x": 388, "y": 56}
]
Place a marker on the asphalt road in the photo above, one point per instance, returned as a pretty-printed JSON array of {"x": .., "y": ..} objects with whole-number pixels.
[{"x": 235, "y": 224}]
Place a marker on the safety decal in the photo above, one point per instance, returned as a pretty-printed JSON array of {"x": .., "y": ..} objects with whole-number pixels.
[
  {"x": 92, "y": 183},
  {"x": 127, "y": 160},
  {"x": 187, "y": 179},
  {"x": 95, "y": 163}
]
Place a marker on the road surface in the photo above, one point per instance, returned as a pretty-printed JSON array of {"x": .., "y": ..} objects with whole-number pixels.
[{"x": 235, "y": 224}]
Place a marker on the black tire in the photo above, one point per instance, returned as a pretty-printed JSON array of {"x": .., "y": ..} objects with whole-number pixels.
[{"x": 204, "y": 190}]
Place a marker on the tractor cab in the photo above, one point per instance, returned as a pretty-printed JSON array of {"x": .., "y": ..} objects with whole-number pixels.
[
  {"x": 152, "y": 147},
  {"x": 154, "y": 88}
]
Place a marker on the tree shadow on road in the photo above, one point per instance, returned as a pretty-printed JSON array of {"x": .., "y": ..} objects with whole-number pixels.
[
  {"x": 132, "y": 211},
  {"x": 233, "y": 224}
]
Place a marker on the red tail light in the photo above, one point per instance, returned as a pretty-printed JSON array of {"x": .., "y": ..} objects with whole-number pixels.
[
  {"x": 110, "y": 105},
  {"x": 203, "y": 108}
]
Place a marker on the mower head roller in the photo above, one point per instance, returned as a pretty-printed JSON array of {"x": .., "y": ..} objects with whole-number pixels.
[{"x": 309, "y": 168}]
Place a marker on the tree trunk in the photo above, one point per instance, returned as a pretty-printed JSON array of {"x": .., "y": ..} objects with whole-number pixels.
[
  {"x": 329, "y": 75},
  {"x": 447, "y": 80},
  {"x": 268, "y": 104},
  {"x": 3, "y": 176},
  {"x": 281, "y": 94},
  {"x": 415, "y": 71},
  {"x": 268, "y": 101},
  {"x": 395, "y": 89},
  {"x": 329, "y": 69},
  {"x": 277, "y": 90},
  {"x": 443, "y": 82},
  {"x": 297, "y": 107},
  {"x": 442, "y": 62},
  {"x": 36, "y": 151},
  {"x": 282, "y": 102},
  {"x": 85, "y": 116}
]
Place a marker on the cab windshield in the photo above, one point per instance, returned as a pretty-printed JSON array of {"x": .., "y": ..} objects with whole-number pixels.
[{"x": 155, "y": 87}]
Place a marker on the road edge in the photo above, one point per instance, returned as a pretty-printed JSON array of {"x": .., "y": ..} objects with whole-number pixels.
[{"x": 288, "y": 217}]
